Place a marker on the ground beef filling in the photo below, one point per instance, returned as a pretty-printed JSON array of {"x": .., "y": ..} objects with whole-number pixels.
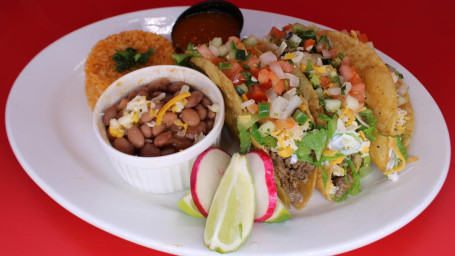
[
  {"x": 291, "y": 175},
  {"x": 342, "y": 185}
]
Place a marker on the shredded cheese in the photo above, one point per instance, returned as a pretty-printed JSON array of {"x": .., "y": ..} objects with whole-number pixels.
[{"x": 159, "y": 116}]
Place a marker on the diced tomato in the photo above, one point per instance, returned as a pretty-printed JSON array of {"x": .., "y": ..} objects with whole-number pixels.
[
  {"x": 287, "y": 27},
  {"x": 333, "y": 52},
  {"x": 253, "y": 64},
  {"x": 363, "y": 38},
  {"x": 235, "y": 39},
  {"x": 284, "y": 123},
  {"x": 325, "y": 81},
  {"x": 263, "y": 76},
  {"x": 276, "y": 34},
  {"x": 286, "y": 66},
  {"x": 358, "y": 91},
  {"x": 355, "y": 76},
  {"x": 273, "y": 77},
  {"x": 279, "y": 86},
  {"x": 308, "y": 43},
  {"x": 257, "y": 93},
  {"x": 253, "y": 108},
  {"x": 233, "y": 72},
  {"x": 266, "y": 86},
  {"x": 206, "y": 53}
]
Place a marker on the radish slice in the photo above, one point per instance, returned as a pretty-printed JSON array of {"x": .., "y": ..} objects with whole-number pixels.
[
  {"x": 261, "y": 167},
  {"x": 206, "y": 174}
]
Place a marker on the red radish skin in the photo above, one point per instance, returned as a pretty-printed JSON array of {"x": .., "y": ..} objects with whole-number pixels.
[
  {"x": 266, "y": 196},
  {"x": 206, "y": 174}
]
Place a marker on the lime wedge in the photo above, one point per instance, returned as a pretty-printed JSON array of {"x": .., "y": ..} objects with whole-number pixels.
[
  {"x": 186, "y": 204},
  {"x": 231, "y": 215},
  {"x": 280, "y": 214}
]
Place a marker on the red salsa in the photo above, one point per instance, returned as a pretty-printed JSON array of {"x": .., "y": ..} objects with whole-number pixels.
[{"x": 203, "y": 27}]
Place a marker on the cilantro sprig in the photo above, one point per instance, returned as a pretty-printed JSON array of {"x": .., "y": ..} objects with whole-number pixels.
[{"x": 130, "y": 58}]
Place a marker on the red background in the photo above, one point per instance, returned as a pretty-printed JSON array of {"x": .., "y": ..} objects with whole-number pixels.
[{"x": 417, "y": 34}]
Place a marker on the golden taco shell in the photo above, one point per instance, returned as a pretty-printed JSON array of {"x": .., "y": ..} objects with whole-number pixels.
[{"x": 380, "y": 94}]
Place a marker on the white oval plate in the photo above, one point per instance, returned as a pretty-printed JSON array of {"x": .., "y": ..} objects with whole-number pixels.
[{"x": 57, "y": 148}]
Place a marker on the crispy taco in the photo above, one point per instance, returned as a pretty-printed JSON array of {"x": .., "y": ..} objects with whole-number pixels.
[
  {"x": 336, "y": 93},
  {"x": 265, "y": 109},
  {"x": 387, "y": 96}
]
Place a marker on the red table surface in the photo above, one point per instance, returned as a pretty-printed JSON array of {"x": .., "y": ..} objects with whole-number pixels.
[{"x": 417, "y": 34}]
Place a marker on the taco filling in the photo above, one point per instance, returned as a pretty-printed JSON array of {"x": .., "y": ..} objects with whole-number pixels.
[{"x": 340, "y": 95}]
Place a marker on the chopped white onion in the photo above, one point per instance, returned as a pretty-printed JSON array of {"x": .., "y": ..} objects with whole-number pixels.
[
  {"x": 277, "y": 107},
  {"x": 271, "y": 94},
  {"x": 295, "y": 38},
  {"x": 247, "y": 103},
  {"x": 214, "y": 108},
  {"x": 297, "y": 57},
  {"x": 214, "y": 50},
  {"x": 159, "y": 97},
  {"x": 185, "y": 88},
  {"x": 293, "y": 80},
  {"x": 281, "y": 49},
  {"x": 352, "y": 103},
  {"x": 334, "y": 91},
  {"x": 292, "y": 105},
  {"x": 275, "y": 67},
  {"x": 402, "y": 88},
  {"x": 326, "y": 53},
  {"x": 348, "y": 86},
  {"x": 267, "y": 58},
  {"x": 289, "y": 94}
]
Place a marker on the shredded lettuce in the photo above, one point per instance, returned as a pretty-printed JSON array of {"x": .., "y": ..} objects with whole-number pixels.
[
  {"x": 401, "y": 147},
  {"x": 315, "y": 141}
]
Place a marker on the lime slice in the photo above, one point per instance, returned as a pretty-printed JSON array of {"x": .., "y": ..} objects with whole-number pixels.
[
  {"x": 231, "y": 215},
  {"x": 280, "y": 214},
  {"x": 186, "y": 204}
]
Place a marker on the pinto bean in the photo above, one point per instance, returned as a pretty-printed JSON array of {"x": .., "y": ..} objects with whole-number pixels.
[
  {"x": 157, "y": 129},
  {"x": 135, "y": 137},
  {"x": 146, "y": 131},
  {"x": 192, "y": 132},
  {"x": 109, "y": 113},
  {"x": 131, "y": 95},
  {"x": 180, "y": 143},
  {"x": 211, "y": 114},
  {"x": 122, "y": 104},
  {"x": 210, "y": 123},
  {"x": 206, "y": 102},
  {"x": 169, "y": 118},
  {"x": 176, "y": 86},
  {"x": 143, "y": 93},
  {"x": 158, "y": 85},
  {"x": 201, "y": 111},
  {"x": 164, "y": 139},
  {"x": 146, "y": 117},
  {"x": 149, "y": 150},
  {"x": 123, "y": 145},
  {"x": 167, "y": 98},
  {"x": 190, "y": 117},
  {"x": 194, "y": 99},
  {"x": 156, "y": 94},
  {"x": 202, "y": 127},
  {"x": 168, "y": 151}
]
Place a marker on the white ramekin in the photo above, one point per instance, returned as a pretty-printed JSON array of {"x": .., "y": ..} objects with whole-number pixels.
[{"x": 163, "y": 174}]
